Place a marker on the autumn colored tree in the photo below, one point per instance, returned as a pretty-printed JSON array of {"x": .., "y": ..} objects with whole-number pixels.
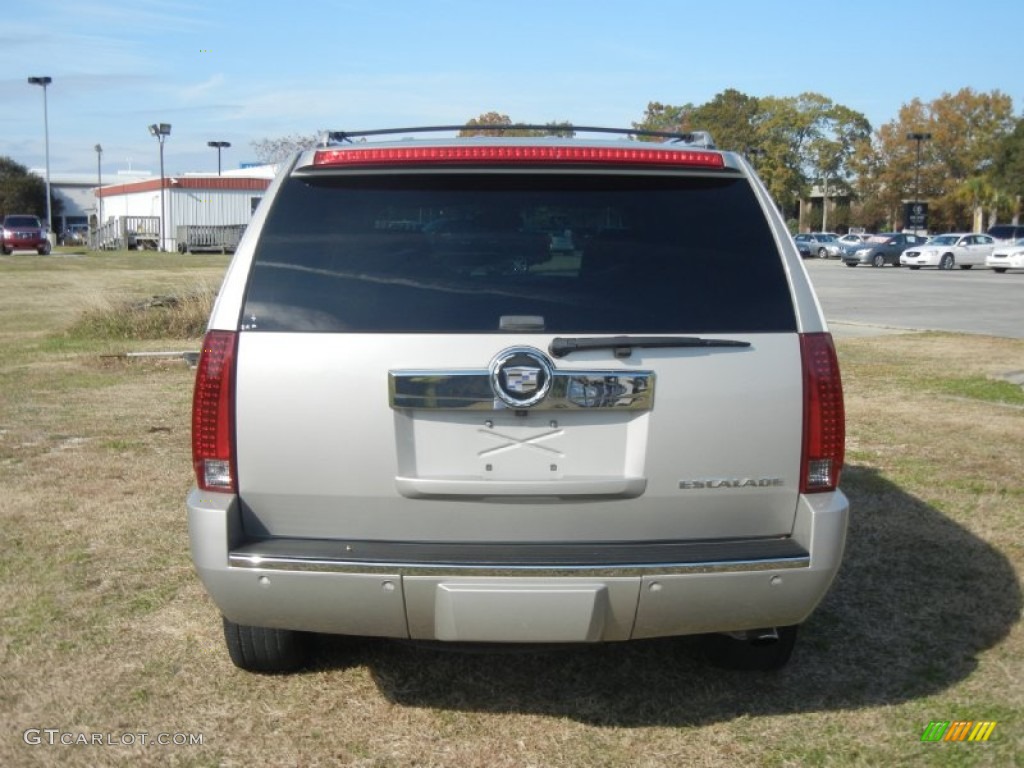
[
  {"x": 956, "y": 169},
  {"x": 971, "y": 170}
]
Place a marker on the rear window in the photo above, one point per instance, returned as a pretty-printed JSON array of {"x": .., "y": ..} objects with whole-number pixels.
[
  {"x": 464, "y": 252},
  {"x": 1006, "y": 231},
  {"x": 22, "y": 221}
]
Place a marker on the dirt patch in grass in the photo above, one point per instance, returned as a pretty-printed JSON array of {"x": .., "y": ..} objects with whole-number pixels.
[{"x": 105, "y": 629}]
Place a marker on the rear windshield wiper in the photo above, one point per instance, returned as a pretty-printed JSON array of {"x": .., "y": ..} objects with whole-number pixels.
[{"x": 623, "y": 345}]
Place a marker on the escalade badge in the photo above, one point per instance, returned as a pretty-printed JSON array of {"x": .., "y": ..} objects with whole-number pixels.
[{"x": 520, "y": 376}]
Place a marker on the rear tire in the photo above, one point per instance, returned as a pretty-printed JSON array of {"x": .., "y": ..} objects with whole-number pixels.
[
  {"x": 750, "y": 655},
  {"x": 850, "y": 263},
  {"x": 264, "y": 649},
  {"x": 999, "y": 270}
]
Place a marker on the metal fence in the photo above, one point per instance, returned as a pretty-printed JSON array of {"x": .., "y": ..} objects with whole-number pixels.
[
  {"x": 221, "y": 238},
  {"x": 127, "y": 232}
]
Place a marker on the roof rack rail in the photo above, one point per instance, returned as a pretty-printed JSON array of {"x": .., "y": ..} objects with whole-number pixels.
[{"x": 700, "y": 139}]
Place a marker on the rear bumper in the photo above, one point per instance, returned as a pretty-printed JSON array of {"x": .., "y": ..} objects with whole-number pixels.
[{"x": 566, "y": 592}]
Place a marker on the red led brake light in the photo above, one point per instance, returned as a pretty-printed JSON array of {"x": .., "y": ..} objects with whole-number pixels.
[
  {"x": 213, "y": 454},
  {"x": 824, "y": 440},
  {"x": 493, "y": 154}
]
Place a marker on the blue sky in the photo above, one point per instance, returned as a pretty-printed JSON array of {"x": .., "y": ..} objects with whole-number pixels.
[{"x": 239, "y": 72}]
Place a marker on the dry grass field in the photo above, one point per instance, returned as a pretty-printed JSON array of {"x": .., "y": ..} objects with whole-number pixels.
[{"x": 106, "y": 630}]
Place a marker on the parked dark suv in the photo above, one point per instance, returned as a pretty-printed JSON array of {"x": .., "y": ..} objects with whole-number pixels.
[
  {"x": 1006, "y": 233},
  {"x": 22, "y": 233},
  {"x": 414, "y": 418}
]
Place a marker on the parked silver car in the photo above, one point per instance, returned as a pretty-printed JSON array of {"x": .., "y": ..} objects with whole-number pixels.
[
  {"x": 851, "y": 242},
  {"x": 882, "y": 249},
  {"x": 481, "y": 439},
  {"x": 824, "y": 245}
]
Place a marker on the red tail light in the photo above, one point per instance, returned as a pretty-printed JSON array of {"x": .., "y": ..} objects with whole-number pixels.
[
  {"x": 556, "y": 155},
  {"x": 213, "y": 450},
  {"x": 824, "y": 417}
]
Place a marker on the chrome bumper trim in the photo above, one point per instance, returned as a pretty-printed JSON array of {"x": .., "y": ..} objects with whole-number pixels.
[{"x": 519, "y": 560}]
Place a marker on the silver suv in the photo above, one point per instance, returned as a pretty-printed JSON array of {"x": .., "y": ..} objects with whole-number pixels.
[{"x": 517, "y": 390}]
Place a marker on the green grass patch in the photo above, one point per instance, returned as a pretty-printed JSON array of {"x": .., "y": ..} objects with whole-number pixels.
[
  {"x": 170, "y": 316},
  {"x": 106, "y": 627},
  {"x": 978, "y": 388}
]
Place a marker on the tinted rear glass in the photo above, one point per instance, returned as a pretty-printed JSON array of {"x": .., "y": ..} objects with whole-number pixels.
[
  {"x": 22, "y": 221},
  {"x": 455, "y": 253},
  {"x": 1006, "y": 232}
]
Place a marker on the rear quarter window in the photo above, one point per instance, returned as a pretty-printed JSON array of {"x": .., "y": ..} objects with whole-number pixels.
[
  {"x": 1006, "y": 232},
  {"x": 22, "y": 221},
  {"x": 457, "y": 252}
]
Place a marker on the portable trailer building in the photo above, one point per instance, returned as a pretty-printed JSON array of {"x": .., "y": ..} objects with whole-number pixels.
[{"x": 190, "y": 204}]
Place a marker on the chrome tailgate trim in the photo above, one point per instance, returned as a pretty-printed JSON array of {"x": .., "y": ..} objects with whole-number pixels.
[{"x": 518, "y": 559}]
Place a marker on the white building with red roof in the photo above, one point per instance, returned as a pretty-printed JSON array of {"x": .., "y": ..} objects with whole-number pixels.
[{"x": 194, "y": 211}]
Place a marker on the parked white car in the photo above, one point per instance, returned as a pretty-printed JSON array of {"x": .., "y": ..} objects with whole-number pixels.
[
  {"x": 1008, "y": 256},
  {"x": 955, "y": 249}
]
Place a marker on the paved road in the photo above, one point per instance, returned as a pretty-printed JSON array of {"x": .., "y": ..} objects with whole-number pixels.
[{"x": 866, "y": 300}]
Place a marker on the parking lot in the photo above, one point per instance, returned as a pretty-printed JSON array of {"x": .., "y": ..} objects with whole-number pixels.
[{"x": 867, "y": 300}]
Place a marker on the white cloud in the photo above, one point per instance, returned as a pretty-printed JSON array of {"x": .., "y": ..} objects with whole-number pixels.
[{"x": 202, "y": 90}]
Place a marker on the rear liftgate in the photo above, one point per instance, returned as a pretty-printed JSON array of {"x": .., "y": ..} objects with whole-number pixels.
[{"x": 513, "y": 430}]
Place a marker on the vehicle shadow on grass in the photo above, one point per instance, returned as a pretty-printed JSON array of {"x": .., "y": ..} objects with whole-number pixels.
[{"x": 917, "y": 600}]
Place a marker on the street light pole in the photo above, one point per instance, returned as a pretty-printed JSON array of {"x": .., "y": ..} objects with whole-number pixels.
[
  {"x": 45, "y": 81},
  {"x": 918, "y": 137},
  {"x": 161, "y": 131},
  {"x": 99, "y": 192},
  {"x": 218, "y": 145},
  {"x": 824, "y": 205}
]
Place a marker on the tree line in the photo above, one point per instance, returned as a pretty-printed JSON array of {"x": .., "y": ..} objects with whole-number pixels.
[
  {"x": 24, "y": 192},
  {"x": 969, "y": 169}
]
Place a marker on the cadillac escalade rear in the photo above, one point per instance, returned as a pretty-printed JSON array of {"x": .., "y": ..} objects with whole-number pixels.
[{"x": 517, "y": 390}]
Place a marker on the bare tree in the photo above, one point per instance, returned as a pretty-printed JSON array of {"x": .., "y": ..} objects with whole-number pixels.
[{"x": 275, "y": 150}]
